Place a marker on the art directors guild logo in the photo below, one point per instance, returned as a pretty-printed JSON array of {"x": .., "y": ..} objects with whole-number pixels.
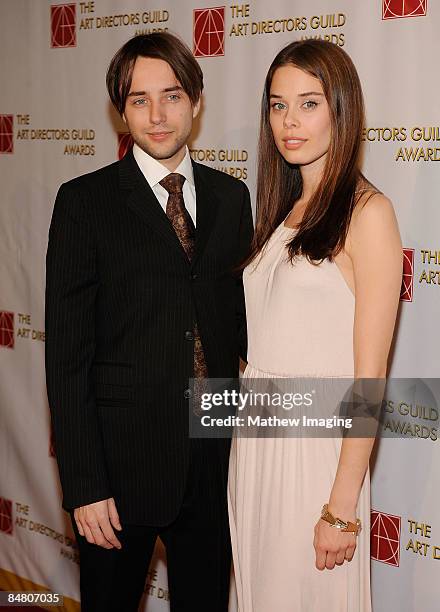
[
  {"x": 209, "y": 32},
  {"x": 385, "y": 537},
  {"x": 6, "y": 521},
  {"x": 393, "y": 9},
  {"x": 210, "y": 28},
  {"x": 6, "y": 133},
  {"x": 386, "y": 534},
  {"x": 75, "y": 141},
  {"x": 406, "y": 292},
  {"x": 63, "y": 21},
  {"x": 6, "y": 329},
  {"x": 429, "y": 275},
  {"x": 25, "y": 330},
  {"x": 19, "y": 515},
  {"x": 63, "y": 25}
]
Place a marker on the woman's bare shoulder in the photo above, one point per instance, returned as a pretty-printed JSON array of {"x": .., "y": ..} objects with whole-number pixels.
[
  {"x": 373, "y": 220},
  {"x": 371, "y": 206}
]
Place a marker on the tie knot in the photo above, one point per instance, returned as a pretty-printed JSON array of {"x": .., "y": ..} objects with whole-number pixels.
[{"x": 173, "y": 183}]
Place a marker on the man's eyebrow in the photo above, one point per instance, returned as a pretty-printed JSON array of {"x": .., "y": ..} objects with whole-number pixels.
[
  {"x": 301, "y": 95},
  {"x": 166, "y": 90},
  {"x": 173, "y": 88}
]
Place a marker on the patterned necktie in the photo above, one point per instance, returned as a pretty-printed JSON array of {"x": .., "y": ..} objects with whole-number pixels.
[{"x": 178, "y": 215}]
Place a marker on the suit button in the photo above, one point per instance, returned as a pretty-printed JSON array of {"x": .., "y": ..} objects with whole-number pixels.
[
  {"x": 194, "y": 276},
  {"x": 189, "y": 335},
  {"x": 187, "y": 394}
]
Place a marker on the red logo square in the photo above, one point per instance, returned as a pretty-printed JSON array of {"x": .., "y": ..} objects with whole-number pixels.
[
  {"x": 125, "y": 142},
  {"x": 6, "y": 133},
  {"x": 6, "y": 329},
  {"x": 63, "y": 25},
  {"x": 385, "y": 537},
  {"x": 406, "y": 292},
  {"x": 6, "y": 523},
  {"x": 393, "y": 9},
  {"x": 209, "y": 32}
]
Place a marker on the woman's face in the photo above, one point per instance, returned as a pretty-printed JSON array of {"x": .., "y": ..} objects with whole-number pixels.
[{"x": 299, "y": 117}]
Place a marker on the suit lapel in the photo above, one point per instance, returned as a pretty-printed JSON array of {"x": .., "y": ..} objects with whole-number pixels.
[
  {"x": 206, "y": 209},
  {"x": 142, "y": 201}
]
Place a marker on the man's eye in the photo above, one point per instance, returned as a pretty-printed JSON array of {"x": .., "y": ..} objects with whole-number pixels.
[{"x": 139, "y": 102}]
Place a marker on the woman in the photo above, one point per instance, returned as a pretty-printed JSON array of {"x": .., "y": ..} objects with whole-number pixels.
[{"x": 322, "y": 289}]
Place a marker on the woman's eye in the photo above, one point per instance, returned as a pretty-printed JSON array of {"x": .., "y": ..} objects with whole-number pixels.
[
  {"x": 310, "y": 104},
  {"x": 139, "y": 102},
  {"x": 278, "y": 106}
]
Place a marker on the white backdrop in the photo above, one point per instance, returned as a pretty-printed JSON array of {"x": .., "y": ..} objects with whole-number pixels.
[{"x": 56, "y": 123}]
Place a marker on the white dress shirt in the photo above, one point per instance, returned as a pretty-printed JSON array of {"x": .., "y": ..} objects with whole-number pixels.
[{"x": 154, "y": 172}]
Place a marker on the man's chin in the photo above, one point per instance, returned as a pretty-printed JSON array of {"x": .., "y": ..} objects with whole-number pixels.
[{"x": 160, "y": 152}]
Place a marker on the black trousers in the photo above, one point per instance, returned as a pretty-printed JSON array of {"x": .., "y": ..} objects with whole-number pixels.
[{"x": 197, "y": 544}]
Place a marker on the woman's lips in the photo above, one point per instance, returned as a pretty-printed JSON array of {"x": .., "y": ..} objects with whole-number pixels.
[{"x": 293, "y": 143}]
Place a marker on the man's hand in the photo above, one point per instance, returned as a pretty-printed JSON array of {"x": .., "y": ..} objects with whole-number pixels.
[{"x": 96, "y": 521}]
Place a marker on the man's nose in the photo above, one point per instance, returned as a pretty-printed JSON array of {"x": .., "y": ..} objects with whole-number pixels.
[{"x": 157, "y": 113}]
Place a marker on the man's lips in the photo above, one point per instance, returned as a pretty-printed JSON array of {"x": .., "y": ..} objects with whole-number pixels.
[{"x": 158, "y": 136}]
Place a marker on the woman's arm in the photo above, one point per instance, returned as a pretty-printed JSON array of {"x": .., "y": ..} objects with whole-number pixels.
[{"x": 375, "y": 250}]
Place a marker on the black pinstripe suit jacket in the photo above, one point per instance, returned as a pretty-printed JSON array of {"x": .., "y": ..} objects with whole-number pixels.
[{"x": 120, "y": 297}]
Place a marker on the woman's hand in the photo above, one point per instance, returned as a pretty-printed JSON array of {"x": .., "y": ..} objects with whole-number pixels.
[{"x": 332, "y": 546}]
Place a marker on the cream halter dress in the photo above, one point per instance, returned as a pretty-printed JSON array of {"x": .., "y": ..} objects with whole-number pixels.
[{"x": 300, "y": 324}]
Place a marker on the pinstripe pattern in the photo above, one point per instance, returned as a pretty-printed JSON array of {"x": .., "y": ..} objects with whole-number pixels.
[{"x": 120, "y": 295}]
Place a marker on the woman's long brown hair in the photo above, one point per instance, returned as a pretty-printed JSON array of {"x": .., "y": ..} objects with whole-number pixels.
[{"x": 324, "y": 226}]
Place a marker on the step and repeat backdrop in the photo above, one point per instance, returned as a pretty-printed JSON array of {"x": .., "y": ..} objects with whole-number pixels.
[{"x": 56, "y": 123}]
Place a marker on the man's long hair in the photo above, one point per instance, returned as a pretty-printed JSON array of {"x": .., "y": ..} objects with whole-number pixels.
[{"x": 158, "y": 45}]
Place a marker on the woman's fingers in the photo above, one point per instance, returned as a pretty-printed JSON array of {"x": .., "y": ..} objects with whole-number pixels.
[
  {"x": 350, "y": 552},
  {"x": 320, "y": 559},
  {"x": 340, "y": 557},
  {"x": 332, "y": 547}
]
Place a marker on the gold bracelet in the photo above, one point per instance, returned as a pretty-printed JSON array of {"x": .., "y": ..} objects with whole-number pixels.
[{"x": 345, "y": 526}]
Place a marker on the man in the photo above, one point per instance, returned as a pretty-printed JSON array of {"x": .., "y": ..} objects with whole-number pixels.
[{"x": 142, "y": 296}]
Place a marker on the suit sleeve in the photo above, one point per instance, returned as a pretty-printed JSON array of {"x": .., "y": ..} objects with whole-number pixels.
[
  {"x": 245, "y": 238},
  {"x": 71, "y": 289}
]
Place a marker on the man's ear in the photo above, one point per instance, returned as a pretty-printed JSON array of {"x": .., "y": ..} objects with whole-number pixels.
[
  {"x": 123, "y": 118},
  {"x": 196, "y": 107}
]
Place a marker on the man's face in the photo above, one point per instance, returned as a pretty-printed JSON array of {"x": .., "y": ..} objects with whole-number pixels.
[{"x": 158, "y": 112}]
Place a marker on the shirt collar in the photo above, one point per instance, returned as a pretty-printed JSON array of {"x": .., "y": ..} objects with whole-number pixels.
[{"x": 154, "y": 171}]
